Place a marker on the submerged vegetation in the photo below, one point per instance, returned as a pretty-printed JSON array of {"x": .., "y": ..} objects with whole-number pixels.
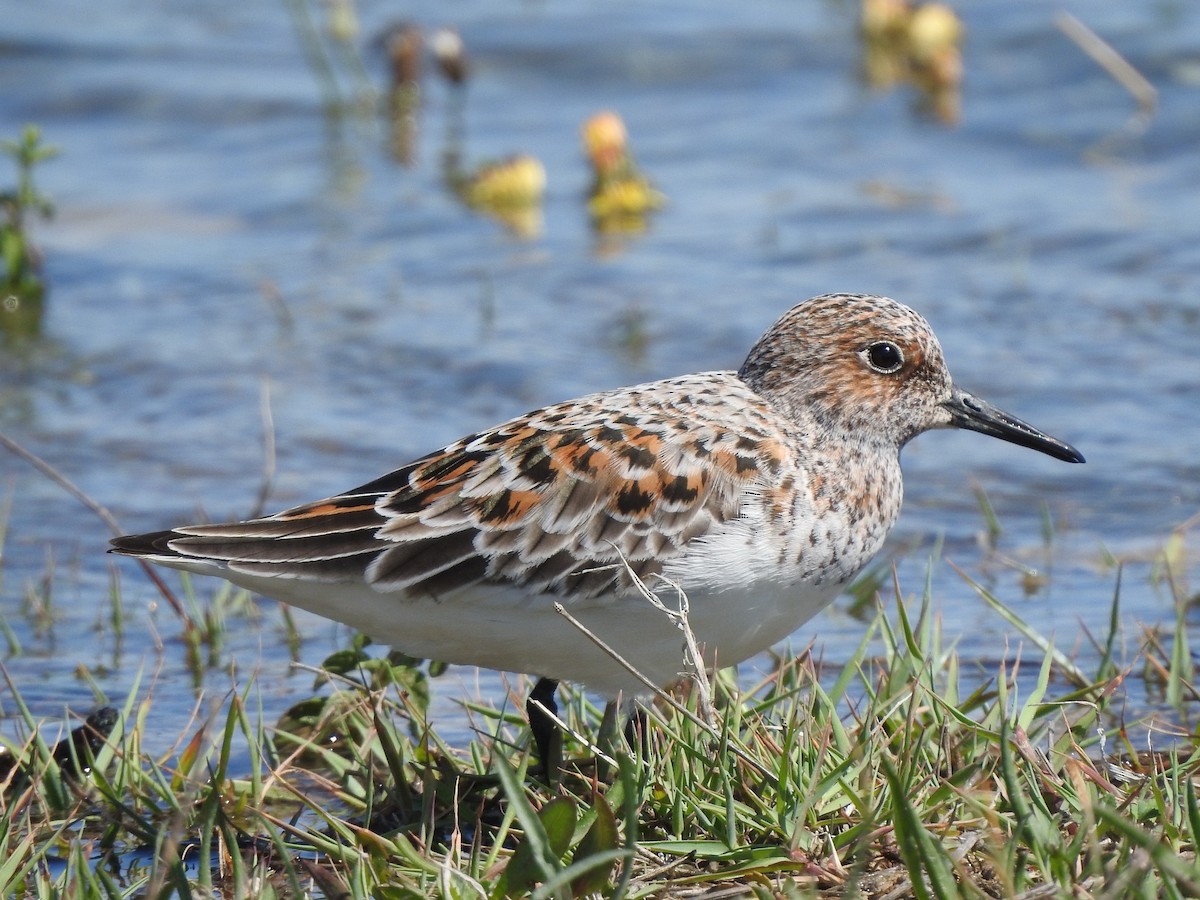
[
  {"x": 21, "y": 285},
  {"x": 894, "y": 773}
]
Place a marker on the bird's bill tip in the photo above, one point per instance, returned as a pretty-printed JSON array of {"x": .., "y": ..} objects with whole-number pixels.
[{"x": 969, "y": 412}]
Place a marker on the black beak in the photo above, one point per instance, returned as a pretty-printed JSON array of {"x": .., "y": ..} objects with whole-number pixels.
[{"x": 968, "y": 411}]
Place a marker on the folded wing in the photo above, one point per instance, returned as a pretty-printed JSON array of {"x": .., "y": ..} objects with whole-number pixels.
[{"x": 551, "y": 502}]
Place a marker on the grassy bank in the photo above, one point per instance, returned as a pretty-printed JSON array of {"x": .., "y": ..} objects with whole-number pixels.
[{"x": 893, "y": 775}]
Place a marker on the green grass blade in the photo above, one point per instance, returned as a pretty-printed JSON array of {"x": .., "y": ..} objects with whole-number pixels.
[{"x": 924, "y": 857}]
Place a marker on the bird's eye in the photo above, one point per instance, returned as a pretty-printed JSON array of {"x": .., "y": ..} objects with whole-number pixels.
[{"x": 884, "y": 357}]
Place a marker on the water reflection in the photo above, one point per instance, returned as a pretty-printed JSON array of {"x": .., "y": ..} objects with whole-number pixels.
[{"x": 21, "y": 316}]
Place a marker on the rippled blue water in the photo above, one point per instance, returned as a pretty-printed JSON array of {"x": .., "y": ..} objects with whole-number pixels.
[{"x": 219, "y": 229}]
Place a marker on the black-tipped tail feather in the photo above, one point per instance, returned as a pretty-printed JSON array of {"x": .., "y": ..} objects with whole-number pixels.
[{"x": 152, "y": 543}]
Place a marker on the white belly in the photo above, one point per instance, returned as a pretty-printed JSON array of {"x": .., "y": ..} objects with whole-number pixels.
[
  {"x": 499, "y": 627},
  {"x": 744, "y": 594}
]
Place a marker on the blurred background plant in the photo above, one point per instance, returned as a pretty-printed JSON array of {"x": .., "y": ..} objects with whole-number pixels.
[
  {"x": 918, "y": 44},
  {"x": 23, "y": 288}
]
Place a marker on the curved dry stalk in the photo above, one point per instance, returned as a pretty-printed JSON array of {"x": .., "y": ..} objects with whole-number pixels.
[{"x": 102, "y": 512}]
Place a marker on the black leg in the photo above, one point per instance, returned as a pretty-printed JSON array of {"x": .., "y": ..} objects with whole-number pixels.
[
  {"x": 636, "y": 729},
  {"x": 546, "y": 735}
]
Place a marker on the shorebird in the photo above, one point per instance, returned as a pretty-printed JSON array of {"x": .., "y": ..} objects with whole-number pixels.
[{"x": 760, "y": 493}]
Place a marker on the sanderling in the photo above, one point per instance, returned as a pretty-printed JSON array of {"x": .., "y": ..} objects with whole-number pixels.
[{"x": 760, "y": 493}]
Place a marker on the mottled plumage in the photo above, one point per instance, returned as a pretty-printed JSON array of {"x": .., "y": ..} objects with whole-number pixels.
[{"x": 761, "y": 493}]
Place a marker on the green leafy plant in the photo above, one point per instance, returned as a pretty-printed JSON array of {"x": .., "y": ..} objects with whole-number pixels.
[
  {"x": 21, "y": 284},
  {"x": 22, "y": 262}
]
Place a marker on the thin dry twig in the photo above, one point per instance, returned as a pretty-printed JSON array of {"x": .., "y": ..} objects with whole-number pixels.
[
  {"x": 620, "y": 660},
  {"x": 655, "y": 689},
  {"x": 692, "y": 656},
  {"x": 566, "y": 729},
  {"x": 275, "y": 300},
  {"x": 1112, "y": 62},
  {"x": 268, "y": 473},
  {"x": 102, "y": 512}
]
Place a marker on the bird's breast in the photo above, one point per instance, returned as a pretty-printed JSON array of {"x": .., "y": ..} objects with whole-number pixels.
[
  {"x": 754, "y": 579},
  {"x": 813, "y": 528}
]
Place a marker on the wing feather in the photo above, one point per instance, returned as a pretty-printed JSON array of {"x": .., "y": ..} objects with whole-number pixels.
[{"x": 551, "y": 501}]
